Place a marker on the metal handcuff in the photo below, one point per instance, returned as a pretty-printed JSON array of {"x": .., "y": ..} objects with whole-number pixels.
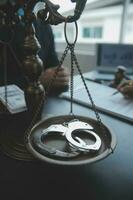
[
  {"x": 77, "y": 145},
  {"x": 44, "y": 149},
  {"x": 82, "y": 146}
]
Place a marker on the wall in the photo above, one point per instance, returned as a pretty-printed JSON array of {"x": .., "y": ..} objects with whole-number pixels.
[
  {"x": 85, "y": 53},
  {"x": 109, "y": 18}
]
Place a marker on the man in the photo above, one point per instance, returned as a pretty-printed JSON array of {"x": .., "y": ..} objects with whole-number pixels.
[
  {"x": 126, "y": 88},
  {"x": 49, "y": 57},
  {"x": 47, "y": 53}
]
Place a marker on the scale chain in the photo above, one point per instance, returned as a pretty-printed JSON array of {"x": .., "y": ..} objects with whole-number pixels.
[
  {"x": 46, "y": 95},
  {"x": 71, "y": 46},
  {"x": 87, "y": 90},
  {"x": 56, "y": 72}
]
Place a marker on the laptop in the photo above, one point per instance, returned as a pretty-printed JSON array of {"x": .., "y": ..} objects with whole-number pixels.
[{"x": 108, "y": 57}]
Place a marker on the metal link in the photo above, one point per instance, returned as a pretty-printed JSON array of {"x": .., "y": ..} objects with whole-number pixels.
[
  {"x": 50, "y": 84},
  {"x": 89, "y": 95},
  {"x": 71, "y": 46},
  {"x": 56, "y": 72}
]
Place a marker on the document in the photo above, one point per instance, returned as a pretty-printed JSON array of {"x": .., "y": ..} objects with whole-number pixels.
[
  {"x": 102, "y": 95},
  {"x": 13, "y": 98}
]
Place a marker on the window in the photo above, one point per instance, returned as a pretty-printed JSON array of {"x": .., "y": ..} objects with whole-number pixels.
[
  {"x": 57, "y": 34},
  {"x": 92, "y": 32}
]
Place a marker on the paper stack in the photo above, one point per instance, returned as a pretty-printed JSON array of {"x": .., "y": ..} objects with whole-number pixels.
[{"x": 13, "y": 98}]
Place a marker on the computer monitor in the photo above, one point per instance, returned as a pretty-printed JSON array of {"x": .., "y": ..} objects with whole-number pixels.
[{"x": 109, "y": 56}]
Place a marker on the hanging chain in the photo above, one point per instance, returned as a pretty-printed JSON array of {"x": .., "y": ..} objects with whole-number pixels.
[
  {"x": 43, "y": 101},
  {"x": 71, "y": 46},
  {"x": 74, "y": 60},
  {"x": 50, "y": 84},
  {"x": 87, "y": 90},
  {"x": 5, "y": 72},
  {"x": 91, "y": 99}
]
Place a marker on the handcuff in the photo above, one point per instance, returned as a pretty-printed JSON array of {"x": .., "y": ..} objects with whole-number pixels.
[
  {"x": 87, "y": 128},
  {"x": 76, "y": 144},
  {"x": 41, "y": 147}
]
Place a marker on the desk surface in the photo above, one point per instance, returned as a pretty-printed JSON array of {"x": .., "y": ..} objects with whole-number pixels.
[
  {"x": 108, "y": 179},
  {"x": 97, "y": 76}
]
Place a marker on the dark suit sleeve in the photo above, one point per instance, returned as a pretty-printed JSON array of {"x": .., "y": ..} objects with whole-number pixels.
[
  {"x": 14, "y": 72},
  {"x": 46, "y": 39}
]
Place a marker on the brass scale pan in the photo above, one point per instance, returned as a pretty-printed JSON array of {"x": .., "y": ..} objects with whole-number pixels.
[
  {"x": 107, "y": 146},
  {"x": 14, "y": 146}
]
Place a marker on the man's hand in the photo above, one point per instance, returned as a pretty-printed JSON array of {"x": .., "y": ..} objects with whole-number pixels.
[
  {"x": 126, "y": 88},
  {"x": 61, "y": 80}
]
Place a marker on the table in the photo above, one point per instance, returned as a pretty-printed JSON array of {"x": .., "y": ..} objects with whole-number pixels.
[{"x": 108, "y": 179}]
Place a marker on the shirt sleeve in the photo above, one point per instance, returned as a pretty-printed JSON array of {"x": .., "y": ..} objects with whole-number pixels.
[{"x": 46, "y": 39}]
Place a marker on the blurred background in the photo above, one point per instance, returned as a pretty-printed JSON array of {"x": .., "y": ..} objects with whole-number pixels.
[{"x": 102, "y": 21}]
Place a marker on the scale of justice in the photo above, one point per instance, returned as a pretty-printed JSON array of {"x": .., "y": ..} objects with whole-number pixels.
[{"x": 64, "y": 140}]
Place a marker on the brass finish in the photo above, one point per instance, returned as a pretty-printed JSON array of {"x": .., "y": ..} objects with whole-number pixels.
[
  {"x": 34, "y": 94},
  {"x": 32, "y": 66}
]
